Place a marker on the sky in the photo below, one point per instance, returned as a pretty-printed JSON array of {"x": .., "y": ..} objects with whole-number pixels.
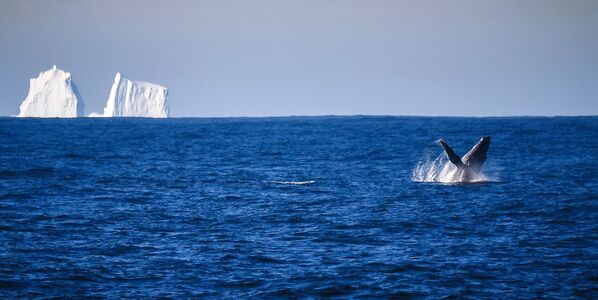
[{"x": 226, "y": 58}]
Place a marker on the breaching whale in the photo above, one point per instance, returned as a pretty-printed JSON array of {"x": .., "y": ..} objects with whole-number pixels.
[{"x": 471, "y": 164}]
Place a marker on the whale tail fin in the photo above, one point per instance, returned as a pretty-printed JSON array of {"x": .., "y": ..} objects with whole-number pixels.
[{"x": 452, "y": 156}]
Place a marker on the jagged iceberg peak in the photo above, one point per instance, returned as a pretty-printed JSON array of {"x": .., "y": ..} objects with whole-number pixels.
[
  {"x": 129, "y": 98},
  {"x": 52, "y": 94}
]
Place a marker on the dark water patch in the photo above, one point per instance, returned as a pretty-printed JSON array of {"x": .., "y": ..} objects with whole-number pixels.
[
  {"x": 242, "y": 284},
  {"x": 284, "y": 293},
  {"x": 35, "y": 172},
  {"x": 265, "y": 259},
  {"x": 407, "y": 295},
  {"x": 411, "y": 267},
  {"x": 120, "y": 250},
  {"x": 5, "y": 174},
  {"x": 191, "y": 136},
  {"x": 295, "y": 219},
  {"x": 115, "y": 157},
  {"x": 11, "y": 285},
  {"x": 75, "y": 156},
  {"x": 105, "y": 197},
  {"x": 137, "y": 199},
  {"x": 334, "y": 291},
  {"x": 228, "y": 257},
  {"x": 16, "y": 196},
  {"x": 230, "y": 197}
]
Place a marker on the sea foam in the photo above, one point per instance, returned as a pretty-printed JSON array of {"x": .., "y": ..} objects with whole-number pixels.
[{"x": 441, "y": 170}]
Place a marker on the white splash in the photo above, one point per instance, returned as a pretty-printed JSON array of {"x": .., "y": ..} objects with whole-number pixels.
[{"x": 443, "y": 171}]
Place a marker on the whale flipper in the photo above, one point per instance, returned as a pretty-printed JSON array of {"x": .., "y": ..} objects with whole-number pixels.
[
  {"x": 452, "y": 156},
  {"x": 476, "y": 157}
]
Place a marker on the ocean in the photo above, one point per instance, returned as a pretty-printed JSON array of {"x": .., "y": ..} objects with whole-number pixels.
[{"x": 296, "y": 207}]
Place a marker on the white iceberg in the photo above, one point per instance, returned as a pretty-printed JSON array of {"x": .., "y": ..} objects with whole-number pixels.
[
  {"x": 130, "y": 98},
  {"x": 52, "y": 94}
]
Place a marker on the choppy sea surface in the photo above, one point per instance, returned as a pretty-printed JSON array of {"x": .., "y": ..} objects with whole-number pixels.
[{"x": 317, "y": 207}]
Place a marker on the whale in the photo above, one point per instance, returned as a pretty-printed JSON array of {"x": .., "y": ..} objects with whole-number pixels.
[{"x": 470, "y": 166}]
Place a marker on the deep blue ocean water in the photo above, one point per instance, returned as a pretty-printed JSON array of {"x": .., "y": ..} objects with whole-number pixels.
[{"x": 210, "y": 208}]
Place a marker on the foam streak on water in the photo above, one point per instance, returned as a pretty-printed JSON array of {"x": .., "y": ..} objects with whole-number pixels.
[{"x": 294, "y": 182}]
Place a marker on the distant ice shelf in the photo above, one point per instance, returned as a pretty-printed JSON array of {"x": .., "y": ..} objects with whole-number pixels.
[
  {"x": 52, "y": 94},
  {"x": 129, "y": 98}
]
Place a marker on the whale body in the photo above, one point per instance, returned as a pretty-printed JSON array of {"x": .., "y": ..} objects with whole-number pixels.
[{"x": 470, "y": 166}]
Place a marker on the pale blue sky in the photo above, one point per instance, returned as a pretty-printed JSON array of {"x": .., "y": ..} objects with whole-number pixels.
[{"x": 264, "y": 58}]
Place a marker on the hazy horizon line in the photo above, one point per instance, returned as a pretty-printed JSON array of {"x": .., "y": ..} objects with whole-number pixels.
[{"x": 319, "y": 116}]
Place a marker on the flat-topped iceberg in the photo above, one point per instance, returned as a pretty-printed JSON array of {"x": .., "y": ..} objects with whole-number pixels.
[
  {"x": 52, "y": 94},
  {"x": 130, "y": 98}
]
